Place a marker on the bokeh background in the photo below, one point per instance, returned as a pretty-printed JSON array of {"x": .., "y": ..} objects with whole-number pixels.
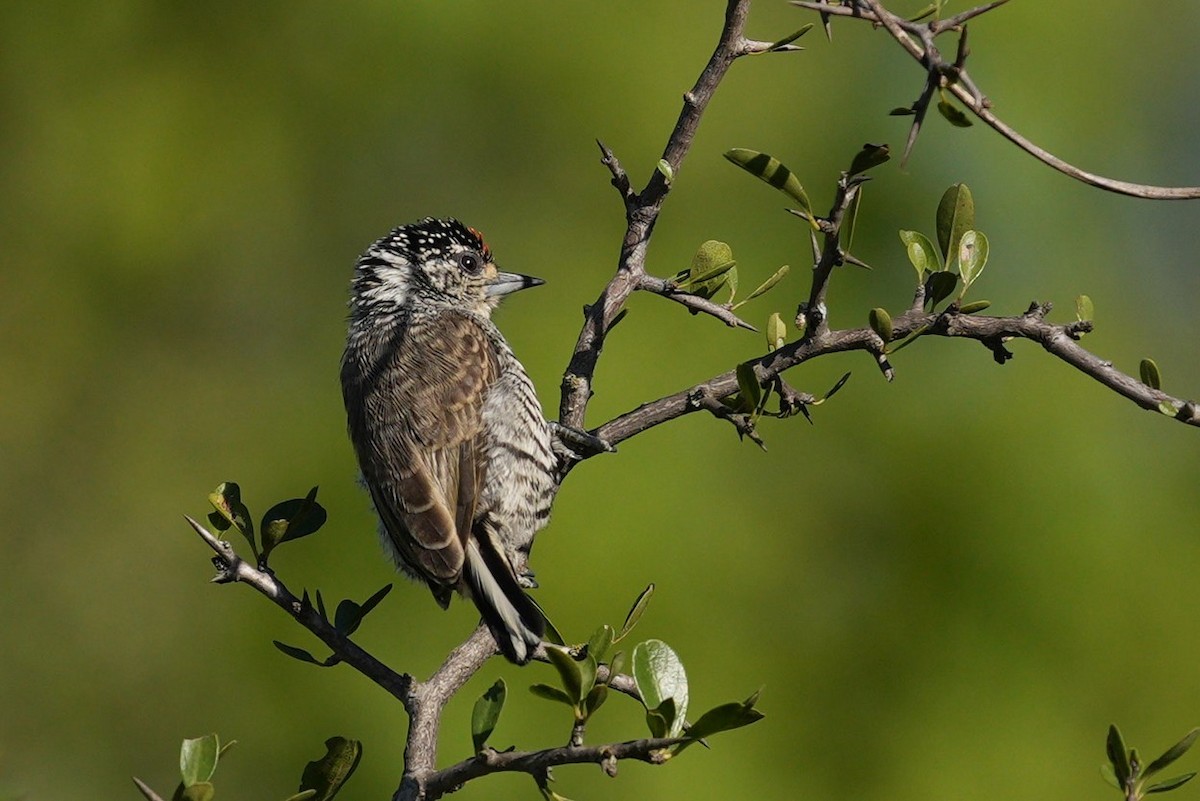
[{"x": 950, "y": 584}]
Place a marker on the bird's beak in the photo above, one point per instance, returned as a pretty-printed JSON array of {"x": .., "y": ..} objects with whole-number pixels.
[{"x": 506, "y": 283}]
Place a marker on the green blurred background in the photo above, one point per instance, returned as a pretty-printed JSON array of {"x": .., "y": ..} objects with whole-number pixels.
[{"x": 949, "y": 584}]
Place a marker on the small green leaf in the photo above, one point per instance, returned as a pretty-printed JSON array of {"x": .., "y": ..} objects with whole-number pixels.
[
  {"x": 972, "y": 256},
  {"x": 486, "y": 713},
  {"x": 617, "y": 665},
  {"x": 600, "y": 641},
  {"x": 551, "y": 694},
  {"x": 198, "y": 759},
  {"x": 349, "y": 614},
  {"x": 1170, "y": 784},
  {"x": 974, "y": 306},
  {"x": 227, "y": 500},
  {"x": 723, "y": 718},
  {"x": 921, "y": 253},
  {"x": 1084, "y": 310},
  {"x": 291, "y": 520},
  {"x": 1151, "y": 377},
  {"x": 1171, "y": 754},
  {"x": 841, "y": 382},
  {"x": 568, "y": 672},
  {"x": 770, "y": 169},
  {"x": 668, "y": 172},
  {"x": 712, "y": 267},
  {"x": 201, "y": 791},
  {"x": 587, "y": 675},
  {"x": 787, "y": 40},
  {"x": 939, "y": 286},
  {"x": 751, "y": 390},
  {"x": 881, "y": 323},
  {"x": 657, "y": 719},
  {"x": 552, "y": 634},
  {"x": 1168, "y": 408},
  {"x": 955, "y": 215},
  {"x": 870, "y": 156},
  {"x": 330, "y": 772},
  {"x": 902, "y": 111},
  {"x": 660, "y": 676},
  {"x": 1106, "y": 773},
  {"x": 1118, "y": 755},
  {"x": 298, "y": 653},
  {"x": 596, "y": 698},
  {"x": 635, "y": 612},
  {"x": 954, "y": 114},
  {"x": 765, "y": 286},
  {"x": 776, "y": 331}
]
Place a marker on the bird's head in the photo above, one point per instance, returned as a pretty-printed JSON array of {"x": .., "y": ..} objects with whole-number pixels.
[{"x": 429, "y": 265}]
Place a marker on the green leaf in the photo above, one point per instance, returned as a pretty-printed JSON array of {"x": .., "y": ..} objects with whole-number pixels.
[
  {"x": 617, "y": 664},
  {"x": 668, "y": 172},
  {"x": 850, "y": 222},
  {"x": 349, "y": 614},
  {"x": 751, "y": 390},
  {"x": 711, "y": 268},
  {"x": 1171, "y": 754},
  {"x": 1106, "y": 773},
  {"x": 902, "y": 111},
  {"x": 600, "y": 641},
  {"x": 330, "y": 772},
  {"x": 1170, "y": 784},
  {"x": 201, "y": 791},
  {"x": 552, "y": 635},
  {"x": 587, "y": 675},
  {"x": 765, "y": 286},
  {"x": 659, "y": 719},
  {"x": 486, "y": 713},
  {"x": 568, "y": 672},
  {"x": 954, "y": 114},
  {"x": 870, "y": 156},
  {"x": 939, "y": 286},
  {"x": 660, "y": 676},
  {"x": 1084, "y": 310},
  {"x": 841, "y": 382},
  {"x": 1118, "y": 755},
  {"x": 1168, "y": 408},
  {"x": 198, "y": 759},
  {"x": 596, "y": 698},
  {"x": 776, "y": 330},
  {"x": 291, "y": 520},
  {"x": 773, "y": 171},
  {"x": 955, "y": 215},
  {"x": 972, "y": 256},
  {"x": 635, "y": 612},
  {"x": 551, "y": 694},
  {"x": 974, "y": 306},
  {"x": 921, "y": 253},
  {"x": 227, "y": 500},
  {"x": 787, "y": 40},
  {"x": 881, "y": 323},
  {"x": 723, "y": 718},
  {"x": 1151, "y": 377},
  {"x": 298, "y": 653}
]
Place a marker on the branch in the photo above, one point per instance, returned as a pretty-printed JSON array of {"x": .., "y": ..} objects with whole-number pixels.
[
  {"x": 641, "y": 214},
  {"x": 955, "y": 79},
  {"x": 537, "y": 763},
  {"x": 1059, "y": 340},
  {"x": 658, "y": 286},
  {"x": 231, "y": 567}
]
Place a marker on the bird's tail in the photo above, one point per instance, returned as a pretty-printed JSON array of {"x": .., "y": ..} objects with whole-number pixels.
[{"x": 515, "y": 620}]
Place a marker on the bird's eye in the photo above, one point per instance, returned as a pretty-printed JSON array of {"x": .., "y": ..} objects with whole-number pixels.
[{"x": 470, "y": 263}]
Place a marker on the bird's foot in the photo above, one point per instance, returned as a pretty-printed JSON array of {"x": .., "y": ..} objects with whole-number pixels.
[{"x": 575, "y": 443}]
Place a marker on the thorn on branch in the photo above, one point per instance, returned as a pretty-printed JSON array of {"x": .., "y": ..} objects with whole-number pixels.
[{"x": 702, "y": 398}]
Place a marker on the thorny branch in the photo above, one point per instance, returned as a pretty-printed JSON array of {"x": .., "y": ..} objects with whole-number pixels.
[{"x": 917, "y": 39}]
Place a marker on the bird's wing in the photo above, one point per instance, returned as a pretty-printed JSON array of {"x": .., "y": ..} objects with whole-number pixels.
[{"x": 422, "y": 419}]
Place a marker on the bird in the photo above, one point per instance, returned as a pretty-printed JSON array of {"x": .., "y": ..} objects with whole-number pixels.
[{"x": 446, "y": 424}]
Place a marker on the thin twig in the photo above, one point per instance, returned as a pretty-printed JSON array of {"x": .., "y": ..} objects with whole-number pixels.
[
  {"x": 964, "y": 89},
  {"x": 658, "y": 286}
]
